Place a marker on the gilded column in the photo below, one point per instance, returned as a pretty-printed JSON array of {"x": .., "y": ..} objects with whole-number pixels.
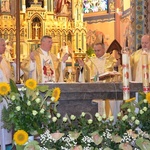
[
  {"x": 23, "y": 6},
  {"x": 73, "y": 7},
  {"x": 45, "y": 4},
  {"x": 51, "y": 6}
]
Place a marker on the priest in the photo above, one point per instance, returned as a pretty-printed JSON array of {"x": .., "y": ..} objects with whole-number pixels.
[
  {"x": 93, "y": 67},
  {"x": 136, "y": 59},
  {"x": 42, "y": 65}
]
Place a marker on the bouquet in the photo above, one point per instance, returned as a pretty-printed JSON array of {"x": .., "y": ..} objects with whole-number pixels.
[{"x": 29, "y": 106}]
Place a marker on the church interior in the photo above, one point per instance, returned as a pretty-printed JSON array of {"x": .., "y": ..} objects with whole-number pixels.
[
  {"x": 77, "y": 25},
  {"x": 77, "y": 22}
]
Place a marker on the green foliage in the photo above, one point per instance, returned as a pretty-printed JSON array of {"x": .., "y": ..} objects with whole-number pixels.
[
  {"x": 90, "y": 51},
  {"x": 131, "y": 130},
  {"x": 28, "y": 109}
]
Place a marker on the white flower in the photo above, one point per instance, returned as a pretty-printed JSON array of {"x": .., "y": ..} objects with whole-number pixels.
[
  {"x": 37, "y": 93},
  {"x": 99, "y": 118},
  {"x": 104, "y": 116},
  {"x": 54, "y": 119},
  {"x": 18, "y": 108},
  {"x": 13, "y": 97},
  {"x": 37, "y": 100},
  {"x": 124, "y": 117},
  {"x": 90, "y": 121},
  {"x": 52, "y": 99},
  {"x": 72, "y": 117},
  {"x": 19, "y": 89},
  {"x": 42, "y": 111},
  {"x": 83, "y": 114},
  {"x": 49, "y": 116},
  {"x": 145, "y": 108},
  {"x": 129, "y": 110},
  {"x": 145, "y": 100},
  {"x": 23, "y": 89},
  {"x": 137, "y": 122},
  {"x": 34, "y": 112},
  {"x": 119, "y": 114},
  {"x": 58, "y": 115},
  {"x": 97, "y": 115},
  {"x": 28, "y": 103},
  {"x": 111, "y": 118},
  {"x": 65, "y": 119},
  {"x": 133, "y": 118},
  {"x": 141, "y": 112}
]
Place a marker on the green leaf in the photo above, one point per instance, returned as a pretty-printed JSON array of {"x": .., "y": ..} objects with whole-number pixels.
[
  {"x": 1, "y": 98},
  {"x": 143, "y": 144},
  {"x": 32, "y": 145},
  {"x": 107, "y": 148},
  {"x": 13, "y": 86},
  {"x": 43, "y": 88},
  {"x": 19, "y": 147}
]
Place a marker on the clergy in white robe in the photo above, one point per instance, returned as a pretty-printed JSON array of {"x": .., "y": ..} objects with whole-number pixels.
[
  {"x": 42, "y": 65},
  {"x": 95, "y": 66},
  {"x": 136, "y": 59},
  {"x": 6, "y": 72}
]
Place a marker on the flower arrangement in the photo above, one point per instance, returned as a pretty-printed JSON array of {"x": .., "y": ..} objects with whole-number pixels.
[
  {"x": 29, "y": 107},
  {"x": 130, "y": 131}
]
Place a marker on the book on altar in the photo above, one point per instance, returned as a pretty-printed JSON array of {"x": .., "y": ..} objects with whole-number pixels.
[{"x": 107, "y": 75}]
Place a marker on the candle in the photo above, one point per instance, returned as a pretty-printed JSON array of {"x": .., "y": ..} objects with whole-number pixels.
[
  {"x": 145, "y": 73},
  {"x": 125, "y": 65}
]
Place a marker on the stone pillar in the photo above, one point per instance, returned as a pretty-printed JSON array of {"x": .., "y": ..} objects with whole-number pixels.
[
  {"x": 132, "y": 18},
  {"x": 139, "y": 22},
  {"x": 146, "y": 23}
]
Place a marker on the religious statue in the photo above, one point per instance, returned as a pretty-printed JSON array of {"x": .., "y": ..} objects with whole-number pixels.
[
  {"x": 9, "y": 51},
  {"x": 61, "y": 6},
  {"x": 63, "y": 50},
  {"x": 5, "y": 6}
]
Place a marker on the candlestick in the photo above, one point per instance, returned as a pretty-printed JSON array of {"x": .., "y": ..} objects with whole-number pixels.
[
  {"x": 125, "y": 64},
  {"x": 145, "y": 73},
  {"x": 126, "y": 42}
]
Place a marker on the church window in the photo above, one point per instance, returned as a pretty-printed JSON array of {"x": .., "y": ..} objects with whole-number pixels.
[{"x": 94, "y": 5}]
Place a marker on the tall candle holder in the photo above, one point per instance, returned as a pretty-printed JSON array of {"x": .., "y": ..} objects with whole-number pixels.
[
  {"x": 125, "y": 74},
  {"x": 145, "y": 71}
]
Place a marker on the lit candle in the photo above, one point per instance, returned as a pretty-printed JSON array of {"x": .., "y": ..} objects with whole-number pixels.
[
  {"x": 145, "y": 73},
  {"x": 125, "y": 65}
]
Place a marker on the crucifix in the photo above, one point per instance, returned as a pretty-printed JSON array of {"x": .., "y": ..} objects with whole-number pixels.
[{"x": 36, "y": 27}]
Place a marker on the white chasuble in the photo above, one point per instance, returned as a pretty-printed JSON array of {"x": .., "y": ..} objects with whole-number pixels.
[
  {"x": 48, "y": 71},
  {"x": 5, "y": 74},
  {"x": 98, "y": 66},
  {"x": 5, "y": 71},
  {"x": 139, "y": 70}
]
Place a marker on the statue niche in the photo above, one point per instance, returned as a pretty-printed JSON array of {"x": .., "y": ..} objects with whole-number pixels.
[{"x": 36, "y": 28}]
